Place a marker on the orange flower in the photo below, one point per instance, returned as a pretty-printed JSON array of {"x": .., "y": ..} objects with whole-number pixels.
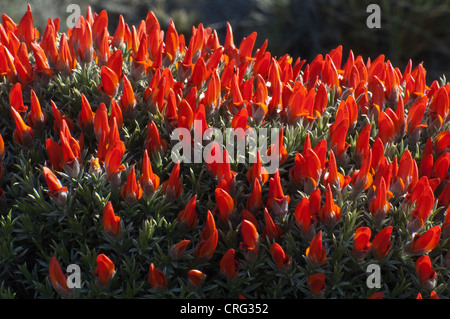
[
  {"x": 316, "y": 253},
  {"x": 104, "y": 271},
  {"x": 276, "y": 200},
  {"x": 361, "y": 244},
  {"x": 206, "y": 247},
  {"x": 330, "y": 213},
  {"x": 381, "y": 244},
  {"x": 426, "y": 273},
  {"x": 425, "y": 242},
  {"x": 187, "y": 218},
  {"x": 23, "y": 134},
  {"x": 173, "y": 187},
  {"x": 56, "y": 191},
  {"x": 229, "y": 266},
  {"x": 281, "y": 259},
  {"x": 316, "y": 283},
  {"x": 156, "y": 278},
  {"x": 196, "y": 278},
  {"x": 131, "y": 191},
  {"x": 57, "y": 278},
  {"x": 111, "y": 222},
  {"x": 225, "y": 204},
  {"x": 178, "y": 249}
]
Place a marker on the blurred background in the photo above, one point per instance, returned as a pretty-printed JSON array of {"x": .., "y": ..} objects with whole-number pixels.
[{"x": 417, "y": 30}]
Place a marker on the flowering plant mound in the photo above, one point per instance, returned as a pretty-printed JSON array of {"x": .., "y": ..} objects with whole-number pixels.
[{"x": 88, "y": 177}]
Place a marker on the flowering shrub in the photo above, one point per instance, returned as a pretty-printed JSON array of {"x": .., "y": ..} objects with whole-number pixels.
[{"x": 88, "y": 178}]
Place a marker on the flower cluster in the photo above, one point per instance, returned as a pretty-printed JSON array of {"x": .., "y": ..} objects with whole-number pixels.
[{"x": 85, "y": 155}]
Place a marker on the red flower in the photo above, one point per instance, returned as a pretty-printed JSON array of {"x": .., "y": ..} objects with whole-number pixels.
[
  {"x": 330, "y": 213},
  {"x": 86, "y": 116},
  {"x": 380, "y": 206},
  {"x": 279, "y": 149},
  {"x": 36, "y": 119},
  {"x": 111, "y": 222},
  {"x": 362, "y": 178},
  {"x": 426, "y": 273},
  {"x": 254, "y": 201},
  {"x": 250, "y": 240},
  {"x": 276, "y": 200},
  {"x": 271, "y": 230},
  {"x": 153, "y": 142},
  {"x": 56, "y": 191},
  {"x": 381, "y": 244},
  {"x": 127, "y": 99},
  {"x": 156, "y": 278},
  {"x": 187, "y": 218},
  {"x": 104, "y": 271},
  {"x": 131, "y": 191},
  {"x": 361, "y": 244},
  {"x": 172, "y": 188},
  {"x": 101, "y": 124},
  {"x": 424, "y": 207},
  {"x": 23, "y": 134},
  {"x": 57, "y": 278},
  {"x": 178, "y": 249},
  {"x": 316, "y": 253},
  {"x": 281, "y": 259},
  {"x": 196, "y": 278},
  {"x": 210, "y": 226},
  {"x": 206, "y": 247},
  {"x": 229, "y": 265},
  {"x": 333, "y": 177},
  {"x": 425, "y": 242},
  {"x": 148, "y": 180},
  {"x": 225, "y": 204},
  {"x": 110, "y": 82},
  {"x": 257, "y": 171},
  {"x": 316, "y": 283},
  {"x": 113, "y": 159},
  {"x": 303, "y": 217}
]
